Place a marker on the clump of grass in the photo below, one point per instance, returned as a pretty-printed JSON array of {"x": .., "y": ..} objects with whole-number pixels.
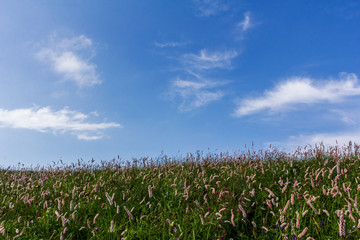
[{"x": 310, "y": 194}]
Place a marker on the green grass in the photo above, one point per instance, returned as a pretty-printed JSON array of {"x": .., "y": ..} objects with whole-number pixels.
[{"x": 239, "y": 196}]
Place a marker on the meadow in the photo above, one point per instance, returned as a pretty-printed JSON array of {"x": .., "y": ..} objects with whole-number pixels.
[{"x": 311, "y": 193}]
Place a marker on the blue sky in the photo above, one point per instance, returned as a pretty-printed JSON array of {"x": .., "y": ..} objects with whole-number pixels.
[{"x": 98, "y": 79}]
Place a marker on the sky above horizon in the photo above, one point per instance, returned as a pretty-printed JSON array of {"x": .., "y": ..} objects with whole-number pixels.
[{"x": 98, "y": 79}]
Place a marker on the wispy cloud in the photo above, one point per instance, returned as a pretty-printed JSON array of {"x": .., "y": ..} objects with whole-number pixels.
[
  {"x": 71, "y": 58},
  {"x": 328, "y": 139},
  {"x": 206, "y": 59},
  {"x": 62, "y": 121},
  {"x": 300, "y": 90},
  {"x": 195, "y": 94},
  {"x": 349, "y": 117},
  {"x": 170, "y": 44},
  {"x": 196, "y": 90},
  {"x": 245, "y": 24},
  {"x": 242, "y": 27},
  {"x": 210, "y": 7}
]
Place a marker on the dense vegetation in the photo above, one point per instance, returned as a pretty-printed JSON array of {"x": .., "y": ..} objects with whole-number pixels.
[{"x": 310, "y": 194}]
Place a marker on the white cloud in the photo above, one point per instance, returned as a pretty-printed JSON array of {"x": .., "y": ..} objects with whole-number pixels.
[
  {"x": 66, "y": 58},
  {"x": 170, "y": 44},
  {"x": 348, "y": 117},
  {"x": 206, "y": 60},
  {"x": 245, "y": 24},
  {"x": 210, "y": 7},
  {"x": 328, "y": 139},
  {"x": 204, "y": 97},
  {"x": 89, "y": 138},
  {"x": 62, "y": 121},
  {"x": 196, "y": 94},
  {"x": 200, "y": 91},
  {"x": 183, "y": 84},
  {"x": 300, "y": 90},
  {"x": 242, "y": 27}
]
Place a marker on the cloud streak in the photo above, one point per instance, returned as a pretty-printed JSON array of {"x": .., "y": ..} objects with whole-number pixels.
[
  {"x": 299, "y": 90},
  {"x": 328, "y": 139},
  {"x": 206, "y": 59},
  {"x": 200, "y": 91},
  {"x": 208, "y": 8},
  {"x": 66, "y": 58},
  {"x": 195, "y": 94},
  {"x": 170, "y": 44},
  {"x": 62, "y": 121},
  {"x": 245, "y": 24}
]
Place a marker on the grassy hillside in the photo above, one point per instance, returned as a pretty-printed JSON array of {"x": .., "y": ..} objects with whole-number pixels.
[{"x": 310, "y": 194}]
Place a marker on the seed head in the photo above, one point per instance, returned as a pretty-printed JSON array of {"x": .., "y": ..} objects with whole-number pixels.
[
  {"x": 129, "y": 213},
  {"x": 150, "y": 191},
  {"x": 112, "y": 226},
  {"x": 303, "y": 232},
  {"x": 342, "y": 224}
]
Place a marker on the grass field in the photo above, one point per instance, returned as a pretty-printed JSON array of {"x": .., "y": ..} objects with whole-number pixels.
[{"x": 310, "y": 194}]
